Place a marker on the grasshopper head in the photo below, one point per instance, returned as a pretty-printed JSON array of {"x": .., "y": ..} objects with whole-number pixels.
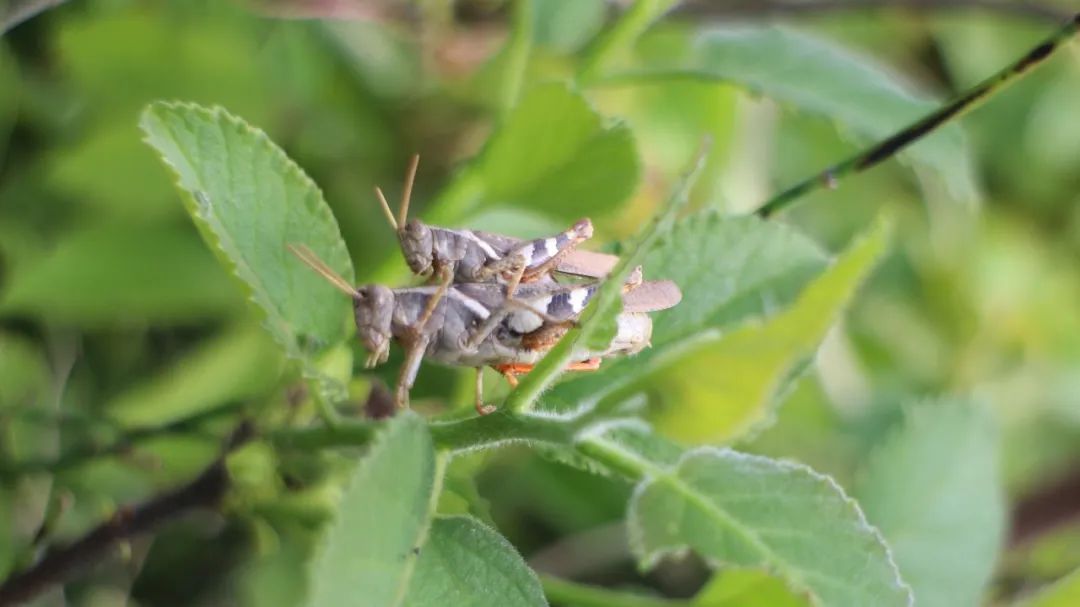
[
  {"x": 373, "y": 306},
  {"x": 417, "y": 244}
]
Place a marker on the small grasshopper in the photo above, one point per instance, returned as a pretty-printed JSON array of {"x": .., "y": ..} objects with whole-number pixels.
[
  {"x": 517, "y": 338},
  {"x": 465, "y": 256}
]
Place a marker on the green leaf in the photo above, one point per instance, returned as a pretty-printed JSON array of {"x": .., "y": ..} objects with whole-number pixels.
[
  {"x": 1063, "y": 593},
  {"x": 29, "y": 431},
  {"x": 238, "y": 365},
  {"x": 466, "y": 563},
  {"x": 461, "y": 493},
  {"x": 553, "y": 153},
  {"x": 750, "y": 511},
  {"x": 370, "y": 550},
  {"x": 211, "y": 60},
  {"x": 730, "y": 269},
  {"x": 822, "y": 78},
  {"x": 115, "y": 275},
  {"x": 110, "y": 173},
  {"x": 934, "y": 491},
  {"x": 747, "y": 588},
  {"x": 250, "y": 201},
  {"x": 729, "y": 386},
  {"x": 565, "y": 25}
]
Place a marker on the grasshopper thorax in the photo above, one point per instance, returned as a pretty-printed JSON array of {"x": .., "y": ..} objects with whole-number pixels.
[
  {"x": 373, "y": 306},
  {"x": 417, "y": 245}
]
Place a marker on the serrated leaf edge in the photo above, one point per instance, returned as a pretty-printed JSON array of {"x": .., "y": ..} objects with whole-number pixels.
[{"x": 649, "y": 558}]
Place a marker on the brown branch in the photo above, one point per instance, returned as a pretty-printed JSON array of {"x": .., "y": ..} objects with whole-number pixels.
[
  {"x": 1047, "y": 509},
  {"x": 742, "y": 9},
  {"x": 60, "y": 564}
]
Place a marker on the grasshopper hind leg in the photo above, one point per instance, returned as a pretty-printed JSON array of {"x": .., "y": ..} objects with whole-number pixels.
[
  {"x": 414, "y": 353},
  {"x": 481, "y": 408}
]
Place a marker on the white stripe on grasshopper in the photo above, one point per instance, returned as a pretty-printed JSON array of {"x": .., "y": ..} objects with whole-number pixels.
[
  {"x": 480, "y": 242},
  {"x": 551, "y": 246},
  {"x": 474, "y": 306},
  {"x": 578, "y": 298}
]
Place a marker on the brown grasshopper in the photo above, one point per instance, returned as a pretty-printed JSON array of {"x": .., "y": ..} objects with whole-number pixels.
[
  {"x": 472, "y": 324},
  {"x": 468, "y": 256}
]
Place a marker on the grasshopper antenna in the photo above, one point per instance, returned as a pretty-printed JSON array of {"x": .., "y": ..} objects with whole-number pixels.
[
  {"x": 406, "y": 192},
  {"x": 312, "y": 260},
  {"x": 386, "y": 209}
]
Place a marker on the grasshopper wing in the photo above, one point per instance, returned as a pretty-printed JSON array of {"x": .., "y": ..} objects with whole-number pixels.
[
  {"x": 652, "y": 296},
  {"x": 588, "y": 264}
]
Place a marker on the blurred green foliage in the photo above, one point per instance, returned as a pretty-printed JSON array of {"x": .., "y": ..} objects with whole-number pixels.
[{"x": 127, "y": 354}]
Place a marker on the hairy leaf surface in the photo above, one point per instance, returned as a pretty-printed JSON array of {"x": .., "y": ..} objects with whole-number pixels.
[
  {"x": 466, "y": 563},
  {"x": 250, "y": 201},
  {"x": 369, "y": 556}
]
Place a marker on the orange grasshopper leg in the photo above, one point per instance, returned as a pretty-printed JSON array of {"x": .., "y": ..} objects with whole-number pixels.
[{"x": 512, "y": 371}]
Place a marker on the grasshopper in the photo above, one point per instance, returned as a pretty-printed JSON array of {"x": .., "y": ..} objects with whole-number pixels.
[
  {"x": 471, "y": 324},
  {"x": 466, "y": 256}
]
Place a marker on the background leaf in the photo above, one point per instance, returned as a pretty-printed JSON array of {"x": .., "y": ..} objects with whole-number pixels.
[
  {"x": 747, "y": 588},
  {"x": 727, "y": 386},
  {"x": 371, "y": 549},
  {"x": 159, "y": 274},
  {"x": 1063, "y": 593},
  {"x": 87, "y": 171},
  {"x": 466, "y": 563},
  {"x": 236, "y": 366},
  {"x": 553, "y": 153},
  {"x": 824, "y": 79},
  {"x": 250, "y": 201},
  {"x": 934, "y": 491},
  {"x": 29, "y": 432}
]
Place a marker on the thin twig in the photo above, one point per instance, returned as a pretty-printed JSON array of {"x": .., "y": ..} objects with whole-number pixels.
[
  {"x": 744, "y": 9},
  {"x": 60, "y": 564},
  {"x": 889, "y": 147}
]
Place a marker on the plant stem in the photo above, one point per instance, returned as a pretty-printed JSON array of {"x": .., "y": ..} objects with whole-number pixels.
[
  {"x": 581, "y": 595},
  {"x": 886, "y": 149},
  {"x": 60, "y": 563},
  {"x": 607, "y": 302},
  {"x": 758, "y": 9},
  {"x": 501, "y": 427},
  {"x": 621, "y": 35}
]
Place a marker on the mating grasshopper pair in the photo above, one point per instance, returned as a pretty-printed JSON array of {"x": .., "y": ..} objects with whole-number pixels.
[{"x": 495, "y": 300}]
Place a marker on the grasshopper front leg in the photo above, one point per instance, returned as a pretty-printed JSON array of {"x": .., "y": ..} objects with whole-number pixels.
[
  {"x": 414, "y": 353},
  {"x": 446, "y": 278}
]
